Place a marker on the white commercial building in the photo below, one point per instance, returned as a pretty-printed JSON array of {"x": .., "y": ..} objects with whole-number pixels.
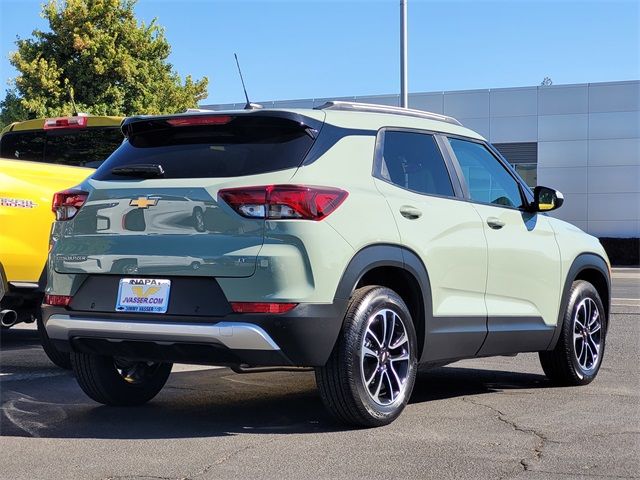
[{"x": 582, "y": 139}]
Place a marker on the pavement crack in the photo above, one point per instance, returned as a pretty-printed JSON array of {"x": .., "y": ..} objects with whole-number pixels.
[
  {"x": 225, "y": 458},
  {"x": 542, "y": 439},
  {"x": 137, "y": 477}
]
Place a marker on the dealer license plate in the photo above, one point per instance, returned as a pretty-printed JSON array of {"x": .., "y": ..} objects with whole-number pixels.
[{"x": 150, "y": 295}]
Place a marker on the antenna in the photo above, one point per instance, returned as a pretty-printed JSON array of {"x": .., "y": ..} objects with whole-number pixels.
[
  {"x": 71, "y": 95},
  {"x": 249, "y": 105}
]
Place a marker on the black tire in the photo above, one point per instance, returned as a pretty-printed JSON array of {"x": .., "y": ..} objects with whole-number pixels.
[
  {"x": 100, "y": 379},
  {"x": 562, "y": 365},
  {"x": 198, "y": 220},
  {"x": 341, "y": 382},
  {"x": 61, "y": 359}
]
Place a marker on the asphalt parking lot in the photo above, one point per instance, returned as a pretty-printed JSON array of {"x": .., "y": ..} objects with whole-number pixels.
[{"x": 488, "y": 418}]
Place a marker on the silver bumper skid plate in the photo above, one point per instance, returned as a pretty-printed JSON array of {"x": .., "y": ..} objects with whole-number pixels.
[{"x": 233, "y": 335}]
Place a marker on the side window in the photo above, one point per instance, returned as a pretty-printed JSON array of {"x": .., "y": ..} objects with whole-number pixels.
[
  {"x": 82, "y": 148},
  {"x": 488, "y": 180},
  {"x": 23, "y": 145},
  {"x": 413, "y": 161}
]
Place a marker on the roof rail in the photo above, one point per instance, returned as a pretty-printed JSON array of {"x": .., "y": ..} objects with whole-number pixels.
[{"x": 370, "y": 107}]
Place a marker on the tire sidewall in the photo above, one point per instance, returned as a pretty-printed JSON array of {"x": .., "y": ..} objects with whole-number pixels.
[
  {"x": 378, "y": 299},
  {"x": 101, "y": 371},
  {"x": 583, "y": 290}
]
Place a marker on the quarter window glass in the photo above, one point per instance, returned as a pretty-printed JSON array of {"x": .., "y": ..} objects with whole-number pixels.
[
  {"x": 488, "y": 180},
  {"x": 413, "y": 161}
]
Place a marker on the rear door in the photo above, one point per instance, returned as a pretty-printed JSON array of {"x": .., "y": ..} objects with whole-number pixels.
[
  {"x": 134, "y": 222},
  {"x": 523, "y": 281},
  {"x": 444, "y": 231}
]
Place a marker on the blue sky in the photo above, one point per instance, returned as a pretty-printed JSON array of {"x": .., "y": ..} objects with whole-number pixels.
[{"x": 303, "y": 49}]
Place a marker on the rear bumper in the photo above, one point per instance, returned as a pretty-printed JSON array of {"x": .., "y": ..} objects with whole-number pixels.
[{"x": 305, "y": 336}]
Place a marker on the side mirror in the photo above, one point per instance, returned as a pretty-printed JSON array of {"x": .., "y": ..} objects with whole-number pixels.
[{"x": 546, "y": 199}]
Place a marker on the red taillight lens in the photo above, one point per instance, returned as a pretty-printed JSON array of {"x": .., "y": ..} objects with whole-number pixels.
[
  {"x": 276, "y": 202},
  {"x": 65, "y": 122},
  {"x": 199, "y": 120},
  {"x": 58, "y": 300},
  {"x": 67, "y": 203},
  {"x": 257, "y": 307}
]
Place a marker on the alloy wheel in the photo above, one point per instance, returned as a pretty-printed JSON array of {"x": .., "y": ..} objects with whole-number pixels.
[
  {"x": 587, "y": 334},
  {"x": 385, "y": 357}
]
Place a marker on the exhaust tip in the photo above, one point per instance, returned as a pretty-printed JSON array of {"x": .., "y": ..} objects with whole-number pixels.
[{"x": 8, "y": 318}]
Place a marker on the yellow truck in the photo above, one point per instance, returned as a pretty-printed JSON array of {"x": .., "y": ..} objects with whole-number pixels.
[{"x": 38, "y": 158}]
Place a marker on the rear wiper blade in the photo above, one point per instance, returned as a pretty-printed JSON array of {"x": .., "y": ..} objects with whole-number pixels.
[{"x": 140, "y": 170}]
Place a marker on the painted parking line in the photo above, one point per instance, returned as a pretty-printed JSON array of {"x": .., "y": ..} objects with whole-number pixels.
[
  {"x": 183, "y": 367},
  {"x": 26, "y": 376},
  {"x": 617, "y": 300},
  {"x": 17, "y": 376}
]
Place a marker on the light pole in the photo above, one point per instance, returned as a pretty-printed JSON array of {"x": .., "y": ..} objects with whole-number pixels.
[{"x": 404, "y": 80}]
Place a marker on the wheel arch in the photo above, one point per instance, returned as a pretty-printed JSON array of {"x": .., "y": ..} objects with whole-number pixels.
[
  {"x": 593, "y": 269},
  {"x": 395, "y": 267}
]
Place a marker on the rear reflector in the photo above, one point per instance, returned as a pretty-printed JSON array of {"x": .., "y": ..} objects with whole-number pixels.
[
  {"x": 199, "y": 120},
  {"x": 254, "y": 307},
  {"x": 65, "y": 122},
  {"x": 282, "y": 202},
  {"x": 67, "y": 203},
  {"x": 58, "y": 300}
]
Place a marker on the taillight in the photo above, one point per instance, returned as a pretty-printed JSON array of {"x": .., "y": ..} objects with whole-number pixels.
[
  {"x": 260, "y": 307},
  {"x": 276, "y": 202},
  {"x": 65, "y": 122},
  {"x": 58, "y": 300},
  {"x": 67, "y": 203}
]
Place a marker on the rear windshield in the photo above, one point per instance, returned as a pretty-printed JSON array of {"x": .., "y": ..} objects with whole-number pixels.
[
  {"x": 23, "y": 145},
  {"x": 80, "y": 148},
  {"x": 244, "y": 145}
]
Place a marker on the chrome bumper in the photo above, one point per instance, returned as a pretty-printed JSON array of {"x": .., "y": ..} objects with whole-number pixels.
[{"x": 236, "y": 336}]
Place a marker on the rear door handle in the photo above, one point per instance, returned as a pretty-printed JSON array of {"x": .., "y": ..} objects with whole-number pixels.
[
  {"x": 410, "y": 212},
  {"x": 495, "y": 223}
]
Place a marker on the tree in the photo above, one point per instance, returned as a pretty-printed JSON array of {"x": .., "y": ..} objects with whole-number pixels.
[{"x": 99, "y": 54}]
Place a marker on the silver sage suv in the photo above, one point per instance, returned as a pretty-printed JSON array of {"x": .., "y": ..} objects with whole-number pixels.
[{"x": 365, "y": 241}]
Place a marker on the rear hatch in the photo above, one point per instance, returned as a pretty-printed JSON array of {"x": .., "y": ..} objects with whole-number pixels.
[{"x": 153, "y": 207}]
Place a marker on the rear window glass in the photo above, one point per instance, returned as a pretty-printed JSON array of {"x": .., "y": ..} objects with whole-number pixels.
[
  {"x": 81, "y": 148},
  {"x": 245, "y": 145},
  {"x": 23, "y": 145}
]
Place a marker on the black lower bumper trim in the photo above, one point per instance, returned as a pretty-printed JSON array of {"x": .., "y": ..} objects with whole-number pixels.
[
  {"x": 305, "y": 335},
  {"x": 193, "y": 353}
]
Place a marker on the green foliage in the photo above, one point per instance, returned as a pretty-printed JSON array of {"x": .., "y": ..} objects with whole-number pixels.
[{"x": 97, "y": 52}]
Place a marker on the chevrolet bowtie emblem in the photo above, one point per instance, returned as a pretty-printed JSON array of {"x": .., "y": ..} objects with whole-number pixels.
[{"x": 143, "y": 202}]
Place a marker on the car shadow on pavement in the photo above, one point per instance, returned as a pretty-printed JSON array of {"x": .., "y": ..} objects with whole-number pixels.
[
  {"x": 214, "y": 403},
  {"x": 16, "y": 338},
  {"x": 453, "y": 381}
]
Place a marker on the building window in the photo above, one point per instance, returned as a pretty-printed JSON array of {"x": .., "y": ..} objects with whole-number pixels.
[
  {"x": 528, "y": 172},
  {"x": 523, "y": 156}
]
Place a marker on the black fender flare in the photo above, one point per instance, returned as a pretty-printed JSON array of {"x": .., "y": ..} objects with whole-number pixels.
[
  {"x": 584, "y": 261},
  {"x": 388, "y": 255}
]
